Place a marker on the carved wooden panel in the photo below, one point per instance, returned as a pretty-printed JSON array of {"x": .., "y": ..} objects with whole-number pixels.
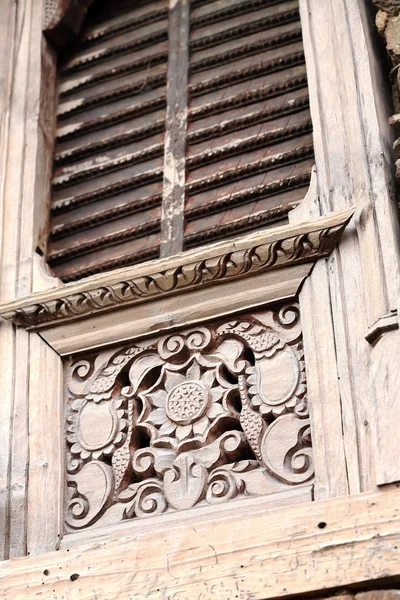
[{"x": 201, "y": 416}]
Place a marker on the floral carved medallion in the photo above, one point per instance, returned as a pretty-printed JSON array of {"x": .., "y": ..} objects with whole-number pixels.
[{"x": 197, "y": 417}]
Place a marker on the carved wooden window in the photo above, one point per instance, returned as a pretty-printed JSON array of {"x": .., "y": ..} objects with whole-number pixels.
[
  {"x": 210, "y": 325},
  {"x": 176, "y": 127}
]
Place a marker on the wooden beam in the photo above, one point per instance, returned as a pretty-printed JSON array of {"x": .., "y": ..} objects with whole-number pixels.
[
  {"x": 263, "y": 250},
  {"x": 173, "y": 202},
  {"x": 259, "y": 555}
]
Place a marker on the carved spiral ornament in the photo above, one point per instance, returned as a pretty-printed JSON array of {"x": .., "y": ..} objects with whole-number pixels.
[{"x": 203, "y": 416}]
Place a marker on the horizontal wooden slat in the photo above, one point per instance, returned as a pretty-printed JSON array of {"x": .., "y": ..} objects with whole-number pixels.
[
  {"x": 87, "y": 60},
  {"x": 269, "y": 20},
  {"x": 96, "y": 170},
  {"x": 336, "y": 543},
  {"x": 152, "y": 13},
  {"x": 126, "y": 253},
  {"x": 250, "y": 46},
  {"x": 73, "y": 86},
  {"x": 106, "y": 144}
]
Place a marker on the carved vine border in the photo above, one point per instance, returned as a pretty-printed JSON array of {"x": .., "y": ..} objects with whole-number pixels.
[{"x": 314, "y": 240}]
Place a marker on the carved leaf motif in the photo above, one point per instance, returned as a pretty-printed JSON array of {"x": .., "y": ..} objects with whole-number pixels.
[
  {"x": 103, "y": 385},
  {"x": 259, "y": 338},
  {"x": 286, "y": 451},
  {"x": 147, "y": 499},
  {"x": 252, "y": 423},
  {"x": 185, "y": 482},
  {"x": 200, "y": 416},
  {"x": 223, "y": 486},
  {"x": 193, "y": 339},
  {"x": 93, "y": 488}
]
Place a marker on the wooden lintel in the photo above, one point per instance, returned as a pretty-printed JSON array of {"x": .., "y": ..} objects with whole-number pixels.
[
  {"x": 260, "y": 554},
  {"x": 275, "y": 248}
]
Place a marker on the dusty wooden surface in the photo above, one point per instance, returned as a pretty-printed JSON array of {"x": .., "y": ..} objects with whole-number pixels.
[
  {"x": 260, "y": 555},
  {"x": 173, "y": 197},
  {"x": 352, "y": 152},
  {"x": 26, "y": 132},
  {"x": 226, "y": 419}
]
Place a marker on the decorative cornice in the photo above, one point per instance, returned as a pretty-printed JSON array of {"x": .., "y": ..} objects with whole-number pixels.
[{"x": 262, "y": 251}]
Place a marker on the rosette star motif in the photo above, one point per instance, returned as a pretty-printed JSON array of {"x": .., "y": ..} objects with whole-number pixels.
[
  {"x": 201, "y": 416},
  {"x": 186, "y": 403}
]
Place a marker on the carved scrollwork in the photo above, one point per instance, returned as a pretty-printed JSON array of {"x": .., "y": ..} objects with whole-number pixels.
[
  {"x": 200, "y": 416},
  {"x": 90, "y": 492},
  {"x": 286, "y": 449},
  {"x": 318, "y": 240}
]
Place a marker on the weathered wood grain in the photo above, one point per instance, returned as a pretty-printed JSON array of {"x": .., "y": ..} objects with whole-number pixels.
[
  {"x": 260, "y": 555},
  {"x": 164, "y": 314},
  {"x": 175, "y": 129},
  {"x": 45, "y": 494},
  {"x": 323, "y": 387},
  {"x": 352, "y": 151},
  {"x": 224, "y": 261}
]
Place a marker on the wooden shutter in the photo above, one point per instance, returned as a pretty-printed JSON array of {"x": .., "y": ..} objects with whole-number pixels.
[{"x": 244, "y": 141}]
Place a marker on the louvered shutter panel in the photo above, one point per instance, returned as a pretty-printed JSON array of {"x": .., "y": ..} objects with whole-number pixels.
[
  {"x": 249, "y": 136},
  {"x": 110, "y": 142},
  {"x": 248, "y": 148}
]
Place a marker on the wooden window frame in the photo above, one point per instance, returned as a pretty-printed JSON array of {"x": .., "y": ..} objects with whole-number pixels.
[{"x": 351, "y": 296}]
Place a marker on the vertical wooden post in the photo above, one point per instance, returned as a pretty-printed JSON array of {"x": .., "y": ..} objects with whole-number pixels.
[
  {"x": 26, "y": 132},
  {"x": 172, "y": 221}
]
